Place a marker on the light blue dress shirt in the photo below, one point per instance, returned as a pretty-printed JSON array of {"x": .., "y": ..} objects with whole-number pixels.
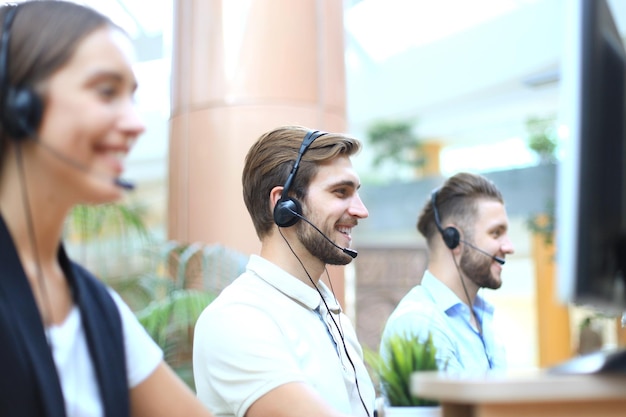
[{"x": 433, "y": 307}]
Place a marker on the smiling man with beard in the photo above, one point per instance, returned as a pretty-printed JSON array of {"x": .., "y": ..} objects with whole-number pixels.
[
  {"x": 275, "y": 342},
  {"x": 465, "y": 225}
]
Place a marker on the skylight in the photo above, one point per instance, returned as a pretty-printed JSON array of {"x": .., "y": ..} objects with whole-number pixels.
[{"x": 384, "y": 28}]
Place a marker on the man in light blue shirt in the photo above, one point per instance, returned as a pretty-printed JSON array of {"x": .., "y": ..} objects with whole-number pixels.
[{"x": 465, "y": 225}]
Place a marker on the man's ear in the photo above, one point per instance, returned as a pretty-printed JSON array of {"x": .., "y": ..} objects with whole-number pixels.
[{"x": 275, "y": 195}]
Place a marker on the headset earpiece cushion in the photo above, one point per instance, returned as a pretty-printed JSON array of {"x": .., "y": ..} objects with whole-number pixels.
[
  {"x": 286, "y": 212},
  {"x": 22, "y": 113},
  {"x": 451, "y": 237}
]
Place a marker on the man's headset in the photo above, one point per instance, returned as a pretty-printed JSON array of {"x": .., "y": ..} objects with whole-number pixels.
[
  {"x": 21, "y": 108},
  {"x": 288, "y": 210},
  {"x": 451, "y": 236}
]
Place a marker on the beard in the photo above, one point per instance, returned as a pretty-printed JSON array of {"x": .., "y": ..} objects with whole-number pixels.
[
  {"x": 477, "y": 268},
  {"x": 318, "y": 246}
]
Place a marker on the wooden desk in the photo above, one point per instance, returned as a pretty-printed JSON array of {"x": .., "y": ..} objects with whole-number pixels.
[{"x": 524, "y": 394}]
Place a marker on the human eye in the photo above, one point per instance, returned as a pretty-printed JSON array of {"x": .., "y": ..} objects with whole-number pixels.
[
  {"x": 106, "y": 91},
  {"x": 343, "y": 189},
  {"x": 341, "y": 192}
]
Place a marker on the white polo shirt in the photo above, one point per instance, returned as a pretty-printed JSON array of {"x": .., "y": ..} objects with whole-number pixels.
[{"x": 267, "y": 329}]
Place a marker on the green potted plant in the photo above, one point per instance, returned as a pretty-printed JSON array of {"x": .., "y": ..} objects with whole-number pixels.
[
  {"x": 400, "y": 357},
  {"x": 543, "y": 138}
]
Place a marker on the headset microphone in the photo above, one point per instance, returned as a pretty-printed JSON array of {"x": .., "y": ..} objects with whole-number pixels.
[
  {"x": 350, "y": 252},
  {"x": 124, "y": 184},
  {"x": 495, "y": 258}
]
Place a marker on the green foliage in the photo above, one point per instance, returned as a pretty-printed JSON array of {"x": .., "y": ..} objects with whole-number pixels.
[
  {"x": 91, "y": 222},
  {"x": 544, "y": 225},
  {"x": 170, "y": 322},
  {"x": 542, "y": 137},
  {"x": 154, "y": 279},
  {"x": 543, "y": 140},
  {"x": 110, "y": 240},
  {"x": 186, "y": 279},
  {"x": 179, "y": 306},
  {"x": 395, "y": 141},
  {"x": 402, "y": 356}
]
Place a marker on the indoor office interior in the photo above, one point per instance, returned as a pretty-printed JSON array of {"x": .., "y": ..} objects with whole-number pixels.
[{"x": 474, "y": 86}]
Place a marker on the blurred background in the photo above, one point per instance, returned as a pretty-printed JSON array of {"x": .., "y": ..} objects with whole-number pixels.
[{"x": 431, "y": 88}]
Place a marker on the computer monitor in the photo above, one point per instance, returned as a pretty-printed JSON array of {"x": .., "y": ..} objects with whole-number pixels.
[{"x": 591, "y": 180}]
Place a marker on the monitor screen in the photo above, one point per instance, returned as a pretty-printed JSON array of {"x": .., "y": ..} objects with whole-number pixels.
[{"x": 591, "y": 181}]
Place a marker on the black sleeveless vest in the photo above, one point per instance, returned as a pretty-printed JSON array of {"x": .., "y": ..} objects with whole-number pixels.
[{"x": 29, "y": 383}]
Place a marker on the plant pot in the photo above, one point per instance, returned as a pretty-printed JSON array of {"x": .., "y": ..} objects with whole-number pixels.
[{"x": 426, "y": 411}]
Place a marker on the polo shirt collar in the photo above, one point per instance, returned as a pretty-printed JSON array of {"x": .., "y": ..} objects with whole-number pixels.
[
  {"x": 440, "y": 294},
  {"x": 445, "y": 298},
  {"x": 291, "y": 286}
]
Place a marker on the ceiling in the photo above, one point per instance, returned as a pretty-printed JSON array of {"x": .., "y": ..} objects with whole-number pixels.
[{"x": 468, "y": 73}]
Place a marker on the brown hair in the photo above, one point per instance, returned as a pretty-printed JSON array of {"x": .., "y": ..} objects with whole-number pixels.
[
  {"x": 270, "y": 160},
  {"x": 456, "y": 202},
  {"x": 43, "y": 38}
]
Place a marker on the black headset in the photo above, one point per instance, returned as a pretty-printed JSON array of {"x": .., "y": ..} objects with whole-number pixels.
[
  {"x": 288, "y": 210},
  {"x": 451, "y": 236},
  {"x": 21, "y": 108}
]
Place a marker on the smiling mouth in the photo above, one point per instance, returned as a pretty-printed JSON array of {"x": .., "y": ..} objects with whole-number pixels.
[{"x": 346, "y": 231}]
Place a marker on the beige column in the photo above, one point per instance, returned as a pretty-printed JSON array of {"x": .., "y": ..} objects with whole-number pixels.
[{"x": 240, "y": 69}]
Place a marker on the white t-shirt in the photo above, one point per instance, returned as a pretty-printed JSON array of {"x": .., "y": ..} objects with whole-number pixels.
[
  {"x": 267, "y": 329},
  {"x": 76, "y": 370}
]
